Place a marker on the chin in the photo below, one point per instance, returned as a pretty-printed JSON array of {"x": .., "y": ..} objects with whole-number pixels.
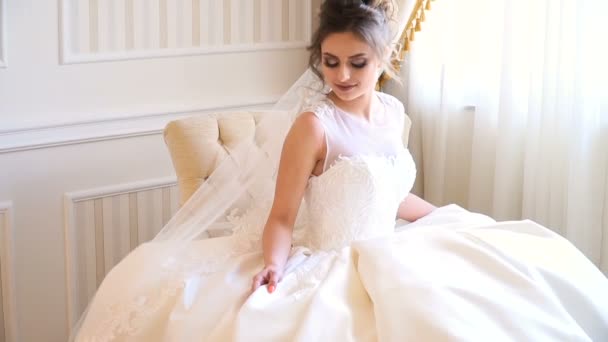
[{"x": 349, "y": 95}]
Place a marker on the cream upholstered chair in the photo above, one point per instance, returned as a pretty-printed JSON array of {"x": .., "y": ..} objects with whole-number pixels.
[{"x": 198, "y": 144}]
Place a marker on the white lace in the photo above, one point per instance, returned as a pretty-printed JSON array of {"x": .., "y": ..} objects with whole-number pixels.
[
  {"x": 127, "y": 319},
  {"x": 357, "y": 198}
]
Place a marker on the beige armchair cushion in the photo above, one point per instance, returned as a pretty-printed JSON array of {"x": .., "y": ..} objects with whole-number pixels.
[{"x": 198, "y": 144}]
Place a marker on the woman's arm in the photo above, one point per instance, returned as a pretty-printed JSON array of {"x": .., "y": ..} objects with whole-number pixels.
[
  {"x": 413, "y": 208},
  {"x": 302, "y": 150}
]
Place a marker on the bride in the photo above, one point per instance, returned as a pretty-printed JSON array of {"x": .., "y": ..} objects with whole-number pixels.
[{"x": 317, "y": 258}]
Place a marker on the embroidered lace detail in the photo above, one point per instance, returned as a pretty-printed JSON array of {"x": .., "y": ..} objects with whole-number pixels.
[
  {"x": 320, "y": 108},
  {"x": 350, "y": 201},
  {"x": 127, "y": 319},
  {"x": 357, "y": 198}
]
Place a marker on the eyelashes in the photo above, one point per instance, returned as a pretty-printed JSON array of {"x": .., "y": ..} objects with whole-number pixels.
[{"x": 359, "y": 65}]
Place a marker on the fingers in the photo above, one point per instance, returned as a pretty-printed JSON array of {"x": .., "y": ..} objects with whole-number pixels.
[
  {"x": 259, "y": 279},
  {"x": 273, "y": 279},
  {"x": 266, "y": 276}
]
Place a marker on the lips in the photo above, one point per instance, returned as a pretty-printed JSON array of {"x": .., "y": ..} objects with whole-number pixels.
[{"x": 345, "y": 87}]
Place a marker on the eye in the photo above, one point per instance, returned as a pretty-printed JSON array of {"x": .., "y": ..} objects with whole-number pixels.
[
  {"x": 330, "y": 63},
  {"x": 359, "y": 64}
]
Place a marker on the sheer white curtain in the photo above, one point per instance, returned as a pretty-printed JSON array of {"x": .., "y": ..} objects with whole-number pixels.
[{"x": 509, "y": 101}]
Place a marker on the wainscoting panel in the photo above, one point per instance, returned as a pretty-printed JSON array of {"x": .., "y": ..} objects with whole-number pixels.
[
  {"x": 104, "y": 225},
  {"x": 101, "y": 30},
  {"x": 8, "y": 325}
]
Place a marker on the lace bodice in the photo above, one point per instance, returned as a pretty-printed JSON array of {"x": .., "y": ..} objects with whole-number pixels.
[
  {"x": 357, "y": 198},
  {"x": 367, "y": 173}
]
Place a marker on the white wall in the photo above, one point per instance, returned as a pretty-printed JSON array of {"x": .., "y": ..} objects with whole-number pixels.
[{"x": 82, "y": 105}]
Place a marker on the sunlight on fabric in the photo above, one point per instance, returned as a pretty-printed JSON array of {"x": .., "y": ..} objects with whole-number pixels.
[{"x": 508, "y": 100}]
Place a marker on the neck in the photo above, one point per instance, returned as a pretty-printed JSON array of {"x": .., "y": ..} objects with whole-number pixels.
[{"x": 360, "y": 106}]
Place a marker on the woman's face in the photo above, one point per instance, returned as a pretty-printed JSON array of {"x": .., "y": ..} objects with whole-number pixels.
[{"x": 349, "y": 66}]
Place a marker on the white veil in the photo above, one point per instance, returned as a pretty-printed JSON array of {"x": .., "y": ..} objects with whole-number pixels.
[
  {"x": 249, "y": 170},
  {"x": 247, "y": 174}
]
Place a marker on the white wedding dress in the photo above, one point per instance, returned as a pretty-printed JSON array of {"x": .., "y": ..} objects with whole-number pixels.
[{"x": 352, "y": 276}]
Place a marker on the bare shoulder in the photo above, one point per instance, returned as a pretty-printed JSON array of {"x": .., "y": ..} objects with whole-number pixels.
[
  {"x": 305, "y": 139},
  {"x": 307, "y": 128}
]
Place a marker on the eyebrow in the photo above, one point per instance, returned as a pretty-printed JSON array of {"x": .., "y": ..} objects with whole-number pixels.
[{"x": 353, "y": 56}]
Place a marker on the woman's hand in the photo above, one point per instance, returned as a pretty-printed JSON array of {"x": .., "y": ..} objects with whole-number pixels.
[{"x": 270, "y": 275}]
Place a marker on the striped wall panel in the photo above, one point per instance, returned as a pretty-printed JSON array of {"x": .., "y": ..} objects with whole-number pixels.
[
  {"x": 100, "y": 30},
  {"x": 103, "y": 225}
]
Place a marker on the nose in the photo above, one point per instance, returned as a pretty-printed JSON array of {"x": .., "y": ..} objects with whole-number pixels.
[{"x": 343, "y": 73}]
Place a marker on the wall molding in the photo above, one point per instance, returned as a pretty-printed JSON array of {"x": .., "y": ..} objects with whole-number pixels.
[
  {"x": 9, "y": 305},
  {"x": 3, "y": 39},
  {"x": 75, "y": 235},
  {"x": 93, "y": 32},
  {"x": 114, "y": 128},
  {"x": 69, "y": 58},
  {"x": 119, "y": 189}
]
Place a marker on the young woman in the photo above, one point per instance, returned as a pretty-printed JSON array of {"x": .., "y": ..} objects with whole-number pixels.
[{"x": 349, "y": 50}]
